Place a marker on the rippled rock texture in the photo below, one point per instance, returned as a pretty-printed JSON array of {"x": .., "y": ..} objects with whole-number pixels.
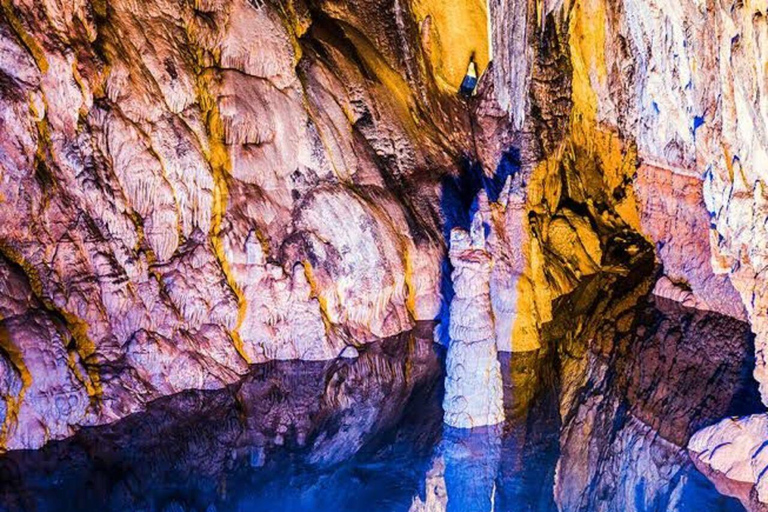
[{"x": 192, "y": 187}]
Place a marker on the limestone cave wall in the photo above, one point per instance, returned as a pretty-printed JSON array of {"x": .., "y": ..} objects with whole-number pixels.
[{"x": 189, "y": 188}]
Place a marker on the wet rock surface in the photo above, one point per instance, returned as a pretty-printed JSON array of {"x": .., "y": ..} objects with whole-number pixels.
[
  {"x": 730, "y": 454},
  {"x": 368, "y": 432}
]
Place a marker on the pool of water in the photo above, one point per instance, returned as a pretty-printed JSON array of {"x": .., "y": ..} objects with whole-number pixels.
[{"x": 367, "y": 435}]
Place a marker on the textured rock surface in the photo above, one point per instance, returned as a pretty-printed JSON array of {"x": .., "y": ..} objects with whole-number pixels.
[
  {"x": 473, "y": 384},
  {"x": 337, "y": 432},
  {"x": 191, "y": 187},
  {"x": 451, "y": 33},
  {"x": 188, "y": 188},
  {"x": 684, "y": 84},
  {"x": 667, "y": 104},
  {"x": 674, "y": 217}
]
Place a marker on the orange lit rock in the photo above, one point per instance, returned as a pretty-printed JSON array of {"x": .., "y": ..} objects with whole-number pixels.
[{"x": 453, "y": 32}]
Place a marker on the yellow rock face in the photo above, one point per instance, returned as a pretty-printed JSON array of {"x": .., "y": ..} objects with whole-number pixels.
[{"x": 452, "y": 31}]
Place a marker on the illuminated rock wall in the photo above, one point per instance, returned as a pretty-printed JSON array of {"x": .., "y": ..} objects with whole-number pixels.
[
  {"x": 653, "y": 125},
  {"x": 451, "y": 33},
  {"x": 668, "y": 104},
  {"x": 683, "y": 84},
  {"x": 187, "y": 188}
]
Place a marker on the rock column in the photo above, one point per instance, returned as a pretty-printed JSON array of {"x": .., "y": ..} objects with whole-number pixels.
[{"x": 473, "y": 386}]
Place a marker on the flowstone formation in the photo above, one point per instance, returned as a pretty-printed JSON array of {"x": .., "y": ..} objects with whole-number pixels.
[{"x": 188, "y": 188}]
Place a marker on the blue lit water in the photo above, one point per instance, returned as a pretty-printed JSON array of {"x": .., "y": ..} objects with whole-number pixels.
[{"x": 367, "y": 435}]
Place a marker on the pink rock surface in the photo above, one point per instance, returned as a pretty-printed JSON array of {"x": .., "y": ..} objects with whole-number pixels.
[{"x": 189, "y": 189}]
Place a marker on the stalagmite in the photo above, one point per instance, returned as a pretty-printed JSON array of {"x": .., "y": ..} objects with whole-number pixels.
[{"x": 473, "y": 387}]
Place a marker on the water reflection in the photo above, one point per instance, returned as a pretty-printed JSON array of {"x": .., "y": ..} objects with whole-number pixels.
[
  {"x": 472, "y": 460},
  {"x": 464, "y": 471},
  {"x": 638, "y": 385},
  {"x": 510, "y": 466},
  {"x": 341, "y": 435},
  {"x": 587, "y": 429}
]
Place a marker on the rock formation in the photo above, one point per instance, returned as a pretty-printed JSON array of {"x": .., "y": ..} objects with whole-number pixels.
[
  {"x": 637, "y": 386},
  {"x": 730, "y": 453},
  {"x": 191, "y": 188},
  {"x": 473, "y": 385}
]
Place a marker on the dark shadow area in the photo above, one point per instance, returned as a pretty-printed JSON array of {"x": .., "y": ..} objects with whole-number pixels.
[
  {"x": 459, "y": 193},
  {"x": 531, "y": 443},
  {"x": 686, "y": 369},
  {"x": 639, "y": 375}
]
